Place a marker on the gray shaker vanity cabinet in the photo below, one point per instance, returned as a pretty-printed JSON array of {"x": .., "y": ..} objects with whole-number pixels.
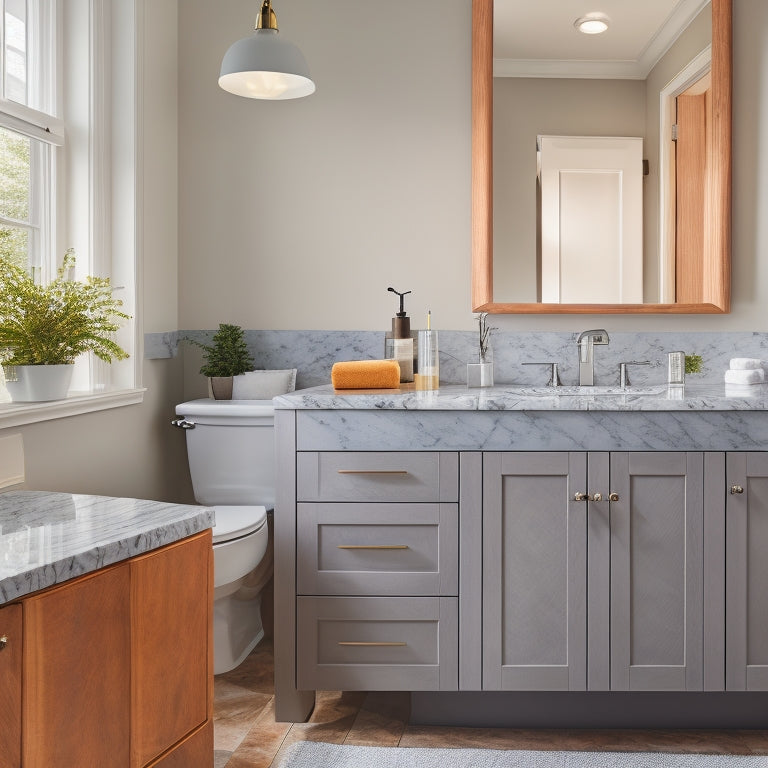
[
  {"x": 376, "y": 573},
  {"x": 746, "y": 570},
  {"x": 581, "y": 592}
]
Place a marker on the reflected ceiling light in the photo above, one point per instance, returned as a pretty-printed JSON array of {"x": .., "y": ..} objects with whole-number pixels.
[
  {"x": 592, "y": 23},
  {"x": 265, "y": 65}
]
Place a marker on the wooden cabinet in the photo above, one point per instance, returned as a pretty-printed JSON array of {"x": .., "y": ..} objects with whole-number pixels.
[
  {"x": 746, "y": 582},
  {"x": 581, "y": 592},
  {"x": 10, "y": 685},
  {"x": 171, "y": 646},
  {"x": 117, "y": 666},
  {"x": 77, "y": 672}
]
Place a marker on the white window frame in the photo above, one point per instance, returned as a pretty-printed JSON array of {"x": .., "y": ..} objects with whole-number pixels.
[{"x": 99, "y": 172}]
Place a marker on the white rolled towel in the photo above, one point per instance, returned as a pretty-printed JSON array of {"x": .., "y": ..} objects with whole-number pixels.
[
  {"x": 745, "y": 376},
  {"x": 745, "y": 363}
]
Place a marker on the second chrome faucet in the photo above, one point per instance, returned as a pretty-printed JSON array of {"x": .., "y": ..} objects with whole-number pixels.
[{"x": 586, "y": 343}]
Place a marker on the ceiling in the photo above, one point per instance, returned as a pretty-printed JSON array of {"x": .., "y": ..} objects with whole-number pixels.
[{"x": 538, "y": 39}]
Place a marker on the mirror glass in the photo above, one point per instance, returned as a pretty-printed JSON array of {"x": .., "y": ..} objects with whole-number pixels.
[{"x": 597, "y": 204}]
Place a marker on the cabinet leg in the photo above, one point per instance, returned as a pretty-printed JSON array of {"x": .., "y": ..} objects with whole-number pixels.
[{"x": 292, "y": 706}]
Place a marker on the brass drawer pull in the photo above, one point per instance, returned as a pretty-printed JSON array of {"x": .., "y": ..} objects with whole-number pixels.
[
  {"x": 371, "y": 644},
  {"x": 613, "y": 496},
  {"x": 737, "y": 489},
  {"x": 372, "y": 546},
  {"x": 372, "y": 471},
  {"x": 3, "y": 642}
]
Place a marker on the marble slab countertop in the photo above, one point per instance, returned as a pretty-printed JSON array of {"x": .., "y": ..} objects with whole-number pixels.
[
  {"x": 456, "y": 397},
  {"x": 47, "y": 538}
]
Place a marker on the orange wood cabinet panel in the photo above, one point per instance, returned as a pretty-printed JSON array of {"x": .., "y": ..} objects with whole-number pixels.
[
  {"x": 10, "y": 686},
  {"x": 196, "y": 751},
  {"x": 172, "y": 598},
  {"x": 77, "y": 672}
]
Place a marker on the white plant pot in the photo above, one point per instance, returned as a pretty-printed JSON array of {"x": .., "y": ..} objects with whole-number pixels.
[{"x": 37, "y": 383}]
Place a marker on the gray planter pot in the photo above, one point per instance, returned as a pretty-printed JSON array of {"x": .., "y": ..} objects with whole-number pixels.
[{"x": 221, "y": 387}]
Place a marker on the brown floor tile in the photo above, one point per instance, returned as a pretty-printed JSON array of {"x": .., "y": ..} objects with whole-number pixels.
[
  {"x": 381, "y": 720},
  {"x": 261, "y": 743},
  {"x": 233, "y": 717}
]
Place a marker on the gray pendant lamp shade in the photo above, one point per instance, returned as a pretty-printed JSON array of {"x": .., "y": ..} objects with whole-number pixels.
[{"x": 265, "y": 65}]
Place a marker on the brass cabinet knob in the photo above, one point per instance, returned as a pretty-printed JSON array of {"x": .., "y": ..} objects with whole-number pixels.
[
  {"x": 597, "y": 497},
  {"x": 3, "y": 642},
  {"x": 737, "y": 489},
  {"x": 613, "y": 496},
  {"x": 579, "y": 496}
]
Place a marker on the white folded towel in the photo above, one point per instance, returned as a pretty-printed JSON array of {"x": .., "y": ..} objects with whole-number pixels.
[
  {"x": 745, "y": 363},
  {"x": 753, "y": 376}
]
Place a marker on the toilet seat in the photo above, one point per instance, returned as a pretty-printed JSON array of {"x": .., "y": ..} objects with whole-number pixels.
[{"x": 237, "y": 521}]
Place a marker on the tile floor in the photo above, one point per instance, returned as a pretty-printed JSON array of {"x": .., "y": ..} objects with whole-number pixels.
[{"x": 247, "y": 736}]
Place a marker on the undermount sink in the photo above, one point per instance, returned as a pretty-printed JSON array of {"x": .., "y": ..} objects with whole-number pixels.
[{"x": 589, "y": 391}]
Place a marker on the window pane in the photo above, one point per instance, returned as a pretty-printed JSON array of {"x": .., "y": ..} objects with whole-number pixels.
[
  {"x": 16, "y": 62},
  {"x": 14, "y": 245},
  {"x": 14, "y": 175}
]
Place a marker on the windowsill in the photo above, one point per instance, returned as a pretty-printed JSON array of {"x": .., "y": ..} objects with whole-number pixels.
[{"x": 17, "y": 414}]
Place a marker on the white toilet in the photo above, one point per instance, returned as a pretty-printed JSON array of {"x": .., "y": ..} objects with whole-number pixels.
[{"x": 230, "y": 447}]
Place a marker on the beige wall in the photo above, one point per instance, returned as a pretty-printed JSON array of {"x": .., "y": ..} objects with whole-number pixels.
[{"x": 300, "y": 214}]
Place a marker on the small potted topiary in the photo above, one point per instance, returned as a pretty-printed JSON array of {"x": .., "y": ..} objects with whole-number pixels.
[
  {"x": 226, "y": 357},
  {"x": 43, "y": 328}
]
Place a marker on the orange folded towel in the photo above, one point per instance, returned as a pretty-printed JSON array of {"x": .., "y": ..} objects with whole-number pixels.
[{"x": 366, "y": 374}]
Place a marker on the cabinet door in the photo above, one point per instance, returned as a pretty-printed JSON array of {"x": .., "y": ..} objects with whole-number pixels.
[
  {"x": 746, "y": 572},
  {"x": 534, "y": 571},
  {"x": 172, "y": 671},
  {"x": 76, "y": 673},
  {"x": 657, "y": 572},
  {"x": 10, "y": 685}
]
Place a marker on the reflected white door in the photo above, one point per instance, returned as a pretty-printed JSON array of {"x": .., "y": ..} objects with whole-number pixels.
[{"x": 591, "y": 219}]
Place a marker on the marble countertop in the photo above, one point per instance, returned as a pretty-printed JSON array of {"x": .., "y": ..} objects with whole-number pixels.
[
  {"x": 456, "y": 397},
  {"x": 47, "y": 538}
]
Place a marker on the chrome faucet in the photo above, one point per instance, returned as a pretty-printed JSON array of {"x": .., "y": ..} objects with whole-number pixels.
[{"x": 586, "y": 343}]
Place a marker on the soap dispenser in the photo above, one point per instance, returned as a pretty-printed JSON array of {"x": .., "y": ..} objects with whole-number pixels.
[{"x": 399, "y": 346}]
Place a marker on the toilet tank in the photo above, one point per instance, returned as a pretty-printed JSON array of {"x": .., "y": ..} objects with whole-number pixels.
[{"x": 231, "y": 451}]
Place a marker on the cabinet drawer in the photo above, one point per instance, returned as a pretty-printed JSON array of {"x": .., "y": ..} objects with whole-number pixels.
[
  {"x": 377, "y": 476},
  {"x": 377, "y": 549},
  {"x": 377, "y": 643}
]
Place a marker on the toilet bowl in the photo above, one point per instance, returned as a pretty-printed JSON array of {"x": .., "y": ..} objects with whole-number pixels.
[
  {"x": 230, "y": 447},
  {"x": 240, "y": 539}
]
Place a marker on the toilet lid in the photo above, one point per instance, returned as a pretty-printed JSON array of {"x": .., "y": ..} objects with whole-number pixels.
[{"x": 234, "y": 522}]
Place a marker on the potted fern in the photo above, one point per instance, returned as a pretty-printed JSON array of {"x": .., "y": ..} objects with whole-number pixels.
[
  {"x": 228, "y": 356},
  {"x": 44, "y": 328}
]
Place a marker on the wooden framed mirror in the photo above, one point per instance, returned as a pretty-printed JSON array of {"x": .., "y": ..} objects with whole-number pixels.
[{"x": 701, "y": 287}]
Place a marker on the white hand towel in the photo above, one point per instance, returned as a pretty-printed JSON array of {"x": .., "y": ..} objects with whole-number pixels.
[
  {"x": 745, "y": 363},
  {"x": 754, "y": 376}
]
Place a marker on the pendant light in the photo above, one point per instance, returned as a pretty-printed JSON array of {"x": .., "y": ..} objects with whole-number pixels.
[{"x": 265, "y": 65}]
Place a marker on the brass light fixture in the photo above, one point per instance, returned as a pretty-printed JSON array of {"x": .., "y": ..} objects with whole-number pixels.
[{"x": 265, "y": 65}]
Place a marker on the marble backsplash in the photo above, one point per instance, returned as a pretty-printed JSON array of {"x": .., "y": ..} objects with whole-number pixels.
[{"x": 313, "y": 353}]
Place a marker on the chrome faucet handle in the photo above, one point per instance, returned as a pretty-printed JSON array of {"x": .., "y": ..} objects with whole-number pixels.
[
  {"x": 624, "y": 373},
  {"x": 554, "y": 376}
]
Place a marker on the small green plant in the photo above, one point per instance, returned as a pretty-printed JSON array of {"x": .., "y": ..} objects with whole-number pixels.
[
  {"x": 55, "y": 323},
  {"x": 228, "y": 354},
  {"x": 693, "y": 363}
]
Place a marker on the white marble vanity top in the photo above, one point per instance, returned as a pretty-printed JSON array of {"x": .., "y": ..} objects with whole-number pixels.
[
  {"x": 47, "y": 538},
  {"x": 455, "y": 397}
]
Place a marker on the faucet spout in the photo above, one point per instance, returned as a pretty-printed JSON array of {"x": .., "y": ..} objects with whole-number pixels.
[{"x": 586, "y": 343}]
